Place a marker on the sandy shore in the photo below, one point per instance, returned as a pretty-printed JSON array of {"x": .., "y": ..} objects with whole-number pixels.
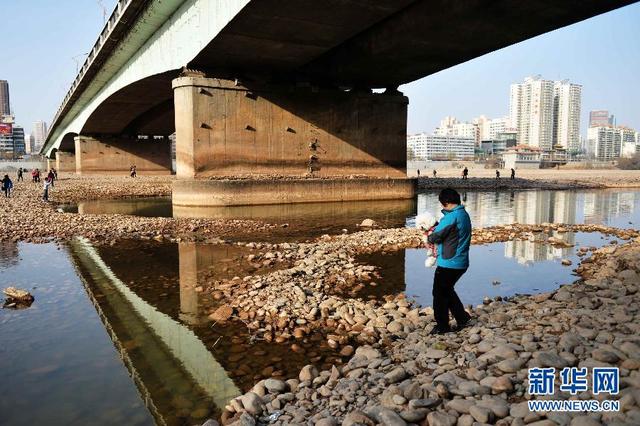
[{"x": 528, "y": 179}]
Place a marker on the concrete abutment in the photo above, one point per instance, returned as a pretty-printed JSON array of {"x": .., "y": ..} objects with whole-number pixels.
[
  {"x": 65, "y": 162},
  {"x": 116, "y": 155},
  {"x": 315, "y": 139}
]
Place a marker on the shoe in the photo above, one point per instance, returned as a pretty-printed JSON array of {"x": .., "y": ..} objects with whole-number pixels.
[
  {"x": 463, "y": 324},
  {"x": 440, "y": 330}
]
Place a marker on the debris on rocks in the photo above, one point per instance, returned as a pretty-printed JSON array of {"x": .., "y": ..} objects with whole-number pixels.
[{"x": 17, "y": 298}]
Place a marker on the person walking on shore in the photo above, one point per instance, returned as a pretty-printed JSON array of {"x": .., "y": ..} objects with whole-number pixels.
[
  {"x": 497, "y": 174},
  {"x": 132, "y": 171},
  {"x": 465, "y": 174},
  {"x": 434, "y": 173},
  {"x": 453, "y": 237},
  {"x": 513, "y": 173},
  {"x": 7, "y": 185},
  {"x": 45, "y": 194},
  {"x": 418, "y": 171},
  {"x": 20, "y": 171},
  {"x": 51, "y": 176},
  {"x": 37, "y": 178}
]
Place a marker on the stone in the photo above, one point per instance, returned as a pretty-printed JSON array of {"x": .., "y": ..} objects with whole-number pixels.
[
  {"x": 584, "y": 421},
  {"x": 520, "y": 409},
  {"x": 327, "y": 421},
  {"x": 605, "y": 356},
  {"x": 424, "y": 403},
  {"x": 399, "y": 399},
  {"x": 252, "y": 403},
  {"x": 437, "y": 418},
  {"x": 308, "y": 373},
  {"x": 414, "y": 416},
  {"x": 385, "y": 416},
  {"x": 481, "y": 414},
  {"x": 396, "y": 375},
  {"x": 356, "y": 418},
  {"x": 244, "y": 420},
  {"x": 222, "y": 314},
  {"x": 510, "y": 365},
  {"x": 368, "y": 352},
  {"x": 275, "y": 385},
  {"x": 460, "y": 405},
  {"x": 368, "y": 223},
  {"x": 435, "y": 353},
  {"x": 395, "y": 327},
  {"x": 550, "y": 359},
  {"x": 502, "y": 384}
]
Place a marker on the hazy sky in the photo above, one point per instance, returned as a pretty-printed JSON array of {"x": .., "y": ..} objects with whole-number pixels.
[{"x": 41, "y": 37}]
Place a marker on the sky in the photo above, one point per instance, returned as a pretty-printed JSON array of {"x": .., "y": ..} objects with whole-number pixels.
[{"x": 602, "y": 54}]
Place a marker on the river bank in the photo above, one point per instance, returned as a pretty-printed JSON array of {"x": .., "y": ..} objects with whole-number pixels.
[
  {"x": 480, "y": 373},
  {"x": 559, "y": 179}
]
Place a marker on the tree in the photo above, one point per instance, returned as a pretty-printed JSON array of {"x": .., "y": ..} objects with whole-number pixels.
[{"x": 632, "y": 163}]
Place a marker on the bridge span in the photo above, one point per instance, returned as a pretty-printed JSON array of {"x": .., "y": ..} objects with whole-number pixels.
[{"x": 275, "y": 87}]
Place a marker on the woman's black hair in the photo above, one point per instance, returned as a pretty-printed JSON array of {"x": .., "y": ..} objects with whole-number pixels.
[{"x": 449, "y": 196}]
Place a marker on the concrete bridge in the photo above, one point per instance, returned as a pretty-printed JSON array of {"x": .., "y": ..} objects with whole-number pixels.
[{"x": 275, "y": 87}]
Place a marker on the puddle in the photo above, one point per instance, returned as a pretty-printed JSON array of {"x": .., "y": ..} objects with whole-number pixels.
[{"x": 497, "y": 269}]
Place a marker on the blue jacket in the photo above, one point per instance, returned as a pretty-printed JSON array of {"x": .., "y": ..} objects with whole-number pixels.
[{"x": 453, "y": 237}]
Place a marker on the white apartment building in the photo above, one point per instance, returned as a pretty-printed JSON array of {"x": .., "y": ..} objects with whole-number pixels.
[
  {"x": 450, "y": 126},
  {"x": 566, "y": 108},
  {"x": 39, "y": 134},
  {"x": 546, "y": 114},
  {"x": 436, "y": 147},
  {"x": 606, "y": 142}
]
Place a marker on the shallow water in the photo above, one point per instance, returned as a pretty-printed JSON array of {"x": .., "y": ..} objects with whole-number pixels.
[
  {"x": 497, "y": 269},
  {"x": 103, "y": 314},
  {"x": 614, "y": 207}
]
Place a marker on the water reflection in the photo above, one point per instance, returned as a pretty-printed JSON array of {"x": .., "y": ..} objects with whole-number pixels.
[
  {"x": 8, "y": 253},
  {"x": 612, "y": 207},
  {"x": 499, "y": 269}
]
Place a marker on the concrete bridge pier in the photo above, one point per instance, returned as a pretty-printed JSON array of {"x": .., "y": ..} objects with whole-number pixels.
[
  {"x": 316, "y": 144},
  {"x": 65, "y": 162},
  {"x": 116, "y": 155}
]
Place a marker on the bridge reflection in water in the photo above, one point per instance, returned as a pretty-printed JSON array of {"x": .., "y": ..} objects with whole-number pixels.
[
  {"x": 174, "y": 371},
  {"x": 148, "y": 295}
]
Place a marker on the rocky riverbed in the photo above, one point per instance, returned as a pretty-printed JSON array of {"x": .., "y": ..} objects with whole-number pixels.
[
  {"x": 478, "y": 375},
  {"x": 25, "y": 217}
]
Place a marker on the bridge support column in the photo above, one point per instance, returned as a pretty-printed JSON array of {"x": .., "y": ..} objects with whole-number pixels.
[
  {"x": 65, "y": 162},
  {"x": 116, "y": 155},
  {"x": 318, "y": 144}
]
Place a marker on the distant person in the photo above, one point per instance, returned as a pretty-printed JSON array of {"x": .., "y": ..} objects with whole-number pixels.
[
  {"x": 435, "y": 173},
  {"x": 465, "y": 174},
  {"x": 37, "y": 178},
  {"x": 418, "y": 171},
  {"x": 7, "y": 185},
  {"x": 513, "y": 173},
  {"x": 20, "y": 171},
  {"x": 132, "y": 171},
  {"x": 497, "y": 174},
  {"x": 33, "y": 175},
  {"x": 51, "y": 176},
  {"x": 55, "y": 174},
  {"x": 453, "y": 237},
  {"x": 45, "y": 194}
]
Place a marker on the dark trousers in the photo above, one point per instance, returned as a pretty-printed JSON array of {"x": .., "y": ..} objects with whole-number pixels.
[{"x": 445, "y": 298}]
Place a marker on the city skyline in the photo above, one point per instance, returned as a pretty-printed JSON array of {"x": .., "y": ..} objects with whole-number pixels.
[{"x": 474, "y": 88}]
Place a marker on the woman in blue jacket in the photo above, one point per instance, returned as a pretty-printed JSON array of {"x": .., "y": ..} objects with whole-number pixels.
[{"x": 453, "y": 237}]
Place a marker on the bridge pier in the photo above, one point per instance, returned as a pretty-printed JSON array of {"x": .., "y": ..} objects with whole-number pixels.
[
  {"x": 116, "y": 155},
  {"x": 319, "y": 144},
  {"x": 65, "y": 162}
]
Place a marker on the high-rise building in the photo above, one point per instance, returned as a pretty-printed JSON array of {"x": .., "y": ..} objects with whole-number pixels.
[
  {"x": 531, "y": 112},
  {"x": 5, "y": 105},
  {"x": 39, "y": 134},
  {"x": 28, "y": 143},
  {"x": 18, "y": 141},
  {"x": 600, "y": 118},
  {"x": 434, "y": 147},
  {"x": 606, "y": 142},
  {"x": 567, "y": 99}
]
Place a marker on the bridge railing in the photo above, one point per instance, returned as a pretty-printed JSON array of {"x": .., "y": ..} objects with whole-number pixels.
[{"x": 110, "y": 24}]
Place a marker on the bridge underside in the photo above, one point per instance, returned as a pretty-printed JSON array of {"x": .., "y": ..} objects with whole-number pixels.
[{"x": 292, "y": 93}]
